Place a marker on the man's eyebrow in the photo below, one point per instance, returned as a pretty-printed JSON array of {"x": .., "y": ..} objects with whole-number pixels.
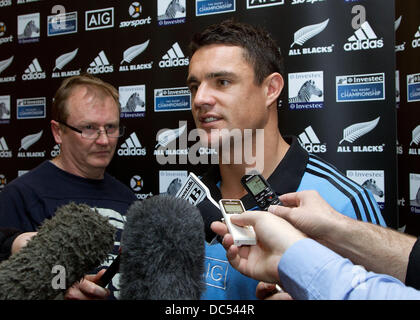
[{"x": 213, "y": 75}]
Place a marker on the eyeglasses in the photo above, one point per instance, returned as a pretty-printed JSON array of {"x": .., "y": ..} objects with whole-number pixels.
[{"x": 92, "y": 133}]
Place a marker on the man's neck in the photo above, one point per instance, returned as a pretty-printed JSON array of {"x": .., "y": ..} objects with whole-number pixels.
[
  {"x": 63, "y": 165},
  {"x": 275, "y": 148}
]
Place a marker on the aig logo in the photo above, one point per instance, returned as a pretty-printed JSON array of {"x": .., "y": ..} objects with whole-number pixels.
[
  {"x": 216, "y": 272},
  {"x": 99, "y": 19}
]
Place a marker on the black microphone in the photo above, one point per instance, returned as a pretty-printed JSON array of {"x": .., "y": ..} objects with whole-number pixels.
[
  {"x": 197, "y": 193},
  {"x": 209, "y": 213},
  {"x": 73, "y": 242},
  {"x": 162, "y": 254}
]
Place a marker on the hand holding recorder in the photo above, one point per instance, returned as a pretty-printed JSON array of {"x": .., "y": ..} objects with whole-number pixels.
[{"x": 274, "y": 236}]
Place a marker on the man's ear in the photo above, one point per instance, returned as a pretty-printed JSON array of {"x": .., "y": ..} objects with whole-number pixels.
[
  {"x": 274, "y": 85},
  {"x": 56, "y": 131}
]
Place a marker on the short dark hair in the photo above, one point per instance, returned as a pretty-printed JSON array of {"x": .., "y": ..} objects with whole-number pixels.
[
  {"x": 59, "y": 111},
  {"x": 261, "y": 51}
]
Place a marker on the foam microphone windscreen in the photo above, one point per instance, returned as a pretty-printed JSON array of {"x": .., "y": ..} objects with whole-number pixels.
[
  {"x": 162, "y": 251},
  {"x": 75, "y": 240}
]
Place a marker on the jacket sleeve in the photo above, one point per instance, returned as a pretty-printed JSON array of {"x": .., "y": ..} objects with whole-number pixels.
[{"x": 413, "y": 269}]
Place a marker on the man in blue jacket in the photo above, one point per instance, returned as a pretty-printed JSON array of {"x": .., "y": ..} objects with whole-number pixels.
[{"x": 235, "y": 77}]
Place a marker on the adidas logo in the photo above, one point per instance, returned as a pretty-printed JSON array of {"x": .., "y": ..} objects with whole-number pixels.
[
  {"x": 174, "y": 58},
  {"x": 34, "y": 71},
  {"x": 132, "y": 147},
  {"x": 364, "y": 38},
  {"x": 416, "y": 42},
  {"x": 4, "y": 149},
  {"x": 100, "y": 64},
  {"x": 309, "y": 140}
]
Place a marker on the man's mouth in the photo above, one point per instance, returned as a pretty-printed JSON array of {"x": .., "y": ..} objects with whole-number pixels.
[{"x": 209, "y": 119}]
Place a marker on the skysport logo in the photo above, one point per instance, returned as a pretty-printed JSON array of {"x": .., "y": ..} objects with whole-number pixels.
[
  {"x": 364, "y": 38},
  {"x": 100, "y": 64},
  {"x": 174, "y": 58},
  {"x": 309, "y": 140},
  {"x": 34, "y": 71},
  {"x": 3, "y": 32},
  {"x": 135, "y": 10}
]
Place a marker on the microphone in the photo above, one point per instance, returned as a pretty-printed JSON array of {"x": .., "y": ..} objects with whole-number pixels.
[
  {"x": 73, "y": 242},
  {"x": 197, "y": 193},
  {"x": 162, "y": 254},
  {"x": 209, "y": 213}
]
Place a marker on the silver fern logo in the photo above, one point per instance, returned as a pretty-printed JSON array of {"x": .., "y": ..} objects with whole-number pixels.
[
  {"x": 5, "y": 63},
  {"x": 168, "y": 135},
  {"x": 308, "y": 32},
  {"x": 134, "y": 51},
  {"x": 355, "y": 131},
  {"x": 130, "y": 54},
  {"x": 27, "y": 142},
  {"x": 301, "y": 36},
  {"x": 61, "y": 62},
  {"x": 415, "y": 136}
]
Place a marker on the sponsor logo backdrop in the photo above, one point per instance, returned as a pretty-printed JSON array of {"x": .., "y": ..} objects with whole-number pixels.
[{"x": 339, "y": 96}]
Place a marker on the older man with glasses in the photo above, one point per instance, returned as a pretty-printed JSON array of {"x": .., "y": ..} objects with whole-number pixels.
[{"x": 86, "y": 124}]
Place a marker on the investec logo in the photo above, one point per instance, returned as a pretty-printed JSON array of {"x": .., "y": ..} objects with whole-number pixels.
[
  {"x": 306, "y": 33},
  {"x": 4, "y": 149},
  {"x": 354, "y": 132},
  {"x": 309, "y": 140},
  {"x": 61, "y": 62},
  {"x": 100, "y": 64},
  {"x": 363, "y": 38},
  {"x": 34, "y": 71},
  {"x": 131, "y": 147},
  {"x": 174, "y": 58}
]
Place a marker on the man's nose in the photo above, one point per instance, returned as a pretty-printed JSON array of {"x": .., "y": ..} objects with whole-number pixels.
[{"x": 204, "y": 96}]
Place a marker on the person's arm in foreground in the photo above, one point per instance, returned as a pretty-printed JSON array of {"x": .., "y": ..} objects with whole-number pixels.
[
  {"x": 379, "y": 249},
  {"x": 305, "y": 269}
]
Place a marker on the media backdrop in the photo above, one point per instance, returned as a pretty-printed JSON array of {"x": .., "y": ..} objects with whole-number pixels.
[{"x": 339, "y": 96}]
